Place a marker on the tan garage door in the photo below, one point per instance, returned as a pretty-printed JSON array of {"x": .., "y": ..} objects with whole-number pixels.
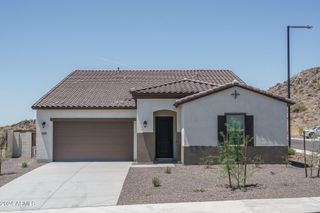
[{"x": 93, "y": 140}]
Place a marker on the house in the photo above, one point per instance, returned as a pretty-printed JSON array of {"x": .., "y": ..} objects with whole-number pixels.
[{"x": 156, "y": 115}]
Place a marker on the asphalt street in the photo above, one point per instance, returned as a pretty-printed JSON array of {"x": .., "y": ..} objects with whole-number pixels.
[{"x": 297, "y": 143}]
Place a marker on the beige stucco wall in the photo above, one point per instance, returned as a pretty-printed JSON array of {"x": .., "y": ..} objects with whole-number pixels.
[
  {"x": 45, "y": 135},
  {"x": 146, "y": 109},
  {"x": 199, "y": 117}
]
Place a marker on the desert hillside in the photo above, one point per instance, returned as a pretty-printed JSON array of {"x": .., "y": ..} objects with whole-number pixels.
[
  {"x": 22, "y": 125},
  {"x": 305, "y": 91}
]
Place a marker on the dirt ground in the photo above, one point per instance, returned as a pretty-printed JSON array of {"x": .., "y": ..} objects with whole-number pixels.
[
  {"x": 11, "y": 169},
  {"x": 197, "y": 183}
]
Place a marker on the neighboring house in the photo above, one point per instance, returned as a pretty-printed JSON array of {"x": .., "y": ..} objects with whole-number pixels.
[{"x": 154, "y": 115}]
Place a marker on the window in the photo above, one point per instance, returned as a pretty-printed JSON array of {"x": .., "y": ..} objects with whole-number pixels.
[
  {"x": 236, "y": 128},
  {"x": 242, "y": 124}
]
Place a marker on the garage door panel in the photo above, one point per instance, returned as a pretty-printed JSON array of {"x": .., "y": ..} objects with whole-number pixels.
[{"x": 93, "y": 141}]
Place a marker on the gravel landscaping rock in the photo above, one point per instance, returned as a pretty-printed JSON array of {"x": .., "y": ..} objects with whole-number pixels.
[
  {"x": 11, "y": 169},
  {"x": 196, "y": 183}
]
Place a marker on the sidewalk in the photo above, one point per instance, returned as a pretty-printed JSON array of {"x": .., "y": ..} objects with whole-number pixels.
[{"x": 306, "y": 204}]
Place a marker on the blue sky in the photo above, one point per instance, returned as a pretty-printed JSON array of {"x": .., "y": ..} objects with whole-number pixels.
[{"x": 42, "y": 41}]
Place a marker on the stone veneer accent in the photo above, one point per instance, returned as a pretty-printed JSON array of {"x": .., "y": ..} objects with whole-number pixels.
[
  {"x": 178, "y": 146},
  {"x": 269, "y": 154},
  {"x": 146, "y": 147}
]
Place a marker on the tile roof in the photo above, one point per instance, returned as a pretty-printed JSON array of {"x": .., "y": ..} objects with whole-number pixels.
[
  {"x": 99, "y": 89},
  {"x": 180, "y": 87},
  {"x": 227, "y": 86}
]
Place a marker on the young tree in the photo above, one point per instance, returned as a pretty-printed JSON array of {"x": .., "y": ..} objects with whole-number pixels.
[
  {"x": 233, "y": 156},
  {"x": 225, "y": 158}
]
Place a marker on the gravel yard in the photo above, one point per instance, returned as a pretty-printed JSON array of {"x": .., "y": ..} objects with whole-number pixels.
[
  {"x": 197, "y": 183},
  {"x": 11, "y": 169}
]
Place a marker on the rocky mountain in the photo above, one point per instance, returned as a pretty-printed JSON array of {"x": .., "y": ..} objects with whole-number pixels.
[
  {"x": 22, "y": 125},
  {"x": 305, "y": 91}
]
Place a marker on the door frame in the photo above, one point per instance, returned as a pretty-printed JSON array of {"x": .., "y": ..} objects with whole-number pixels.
[{"x": 172, "y": 138}]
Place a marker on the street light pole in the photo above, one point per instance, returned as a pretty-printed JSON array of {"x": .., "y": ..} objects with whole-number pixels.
[{"x": 288, "y": 81}]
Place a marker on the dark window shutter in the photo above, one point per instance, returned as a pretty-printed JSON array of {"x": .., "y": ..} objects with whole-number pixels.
[
  {"x": 222, "y": 120},
  {"x": 249, "y": 129}
]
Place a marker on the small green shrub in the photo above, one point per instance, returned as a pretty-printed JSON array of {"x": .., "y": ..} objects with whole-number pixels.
[
  {"x": 24, "y": 164},
  {"x": 299, "y": 107},
  {"x": 199, "y": 190},
  {"x": 207, "y": 161},
  {"x": 167, "y": 170},
  {"x": 291, "y": 151},
  {"x": 156, "y": 182}
]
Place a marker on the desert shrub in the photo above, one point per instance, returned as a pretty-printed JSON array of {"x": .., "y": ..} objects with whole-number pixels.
[
  {"x": 291, "y": 151},
  {"x": 156, "y": 182},
  {"x": 24, "y": 164},
  {"x": 299, "y": 107},
  {"x": 167, "y": 170},
  {"x": 207, "y": 161},
  {"x": 300, "y": 129},
  {"x": 257, "y": 160},
  {"x": 199, "y": 190}
]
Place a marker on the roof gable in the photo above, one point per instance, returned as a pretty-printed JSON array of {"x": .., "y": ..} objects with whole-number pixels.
[{"x": 227, "y": 86}]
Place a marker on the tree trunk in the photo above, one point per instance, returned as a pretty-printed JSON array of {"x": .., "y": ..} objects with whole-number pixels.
[
  {"x": 238, "y": 177},
  {"x": 245, "y": 152},
  {"x": 226, "y": 150},
  {"x": 318, "y": 175},
  {"x": 229, "y": 176}
]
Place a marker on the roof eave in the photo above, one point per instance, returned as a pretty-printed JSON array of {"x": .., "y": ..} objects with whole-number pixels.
[{"x": 79, "y": 107}]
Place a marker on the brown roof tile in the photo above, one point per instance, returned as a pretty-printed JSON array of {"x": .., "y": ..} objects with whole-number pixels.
[
  {"x": 184, "y": 86},
  {"x": 94, "y": 89},
  {"x": 227, "y": 86}
]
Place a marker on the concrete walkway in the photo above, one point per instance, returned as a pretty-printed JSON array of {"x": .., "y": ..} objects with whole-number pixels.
[
  {"x": 66, "y": 185},
  {"x": 247, "y": 206}
]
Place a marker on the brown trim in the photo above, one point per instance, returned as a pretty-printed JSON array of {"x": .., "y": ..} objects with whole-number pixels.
[
  {"x": 269, "y": 154},
  {"x": 92, "y": 119},
  {"x": 227, "y": 86},
  {"x": 160, "y": 95}
]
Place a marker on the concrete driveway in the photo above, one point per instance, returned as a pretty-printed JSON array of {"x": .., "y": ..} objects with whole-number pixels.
[{"x": 66, "y": 184}]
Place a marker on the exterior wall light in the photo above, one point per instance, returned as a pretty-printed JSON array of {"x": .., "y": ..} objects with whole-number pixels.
[
  {"x": 145, "y": 123},
  {"x": 43, "y": 124}
]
